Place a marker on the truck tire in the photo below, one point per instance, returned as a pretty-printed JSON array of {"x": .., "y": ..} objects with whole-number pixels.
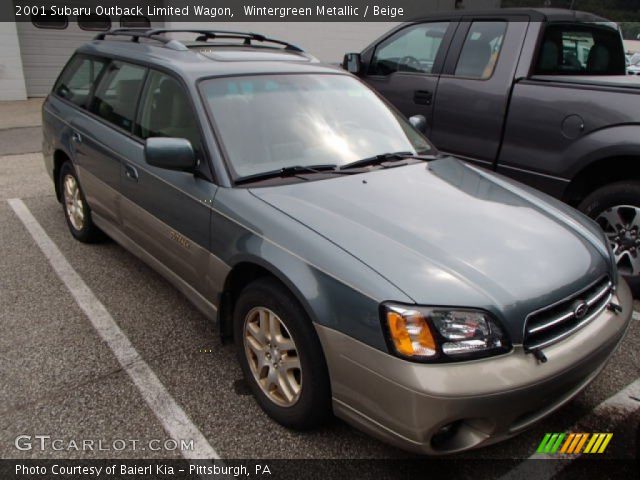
[{"x": 616, "y": 208}]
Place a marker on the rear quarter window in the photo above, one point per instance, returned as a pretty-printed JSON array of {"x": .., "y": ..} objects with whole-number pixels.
[{"x": 78, "y": 78}]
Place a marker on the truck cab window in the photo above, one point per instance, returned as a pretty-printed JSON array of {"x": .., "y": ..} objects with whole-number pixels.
[
  {"x": 481, "y": 50},
  {"x": 411, "y": 50},
  {"x": 581, "y": 50}
]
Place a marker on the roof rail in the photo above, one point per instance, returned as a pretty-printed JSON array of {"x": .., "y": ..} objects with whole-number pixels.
[{"x": 157, "y": 34}]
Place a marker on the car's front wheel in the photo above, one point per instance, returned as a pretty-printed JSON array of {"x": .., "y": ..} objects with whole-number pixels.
[
  {"x": 616, "y": 208},
  {"x": 76, "y": 209},
  {"x": 281, "y": 356}
]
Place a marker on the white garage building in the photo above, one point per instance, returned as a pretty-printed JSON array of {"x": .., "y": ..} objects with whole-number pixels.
[{"x": 32, "y": 53}]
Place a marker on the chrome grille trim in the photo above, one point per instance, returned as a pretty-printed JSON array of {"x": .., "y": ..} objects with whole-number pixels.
[
  {"x": 558, "y": 321},
  {"x": 607, "y": 288}
]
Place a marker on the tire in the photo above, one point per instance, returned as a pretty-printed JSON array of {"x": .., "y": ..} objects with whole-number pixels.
[
  {"x": 619, "y": 203},
  {"x": 80, "y": 225},
  {"x": 311, "y": 405}
]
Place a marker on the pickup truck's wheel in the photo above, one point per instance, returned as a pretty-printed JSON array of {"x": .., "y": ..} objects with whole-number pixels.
[
  {"x": 616, "y": 208},
  {"x": 281, "y": 356},
  {"x": 76, "y": 209}
]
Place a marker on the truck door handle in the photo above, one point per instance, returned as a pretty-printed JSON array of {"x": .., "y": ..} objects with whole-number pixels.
[
  {"x": 422, "y": 97},
  {"x": 76, "y": 137},
  {"x": 131, "y": 173}
]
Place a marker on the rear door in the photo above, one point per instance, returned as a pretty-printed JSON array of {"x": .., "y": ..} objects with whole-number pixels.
[
  {"x": 103, "y": 137},
  {"x": 404, "y": 67},
  {"x": 475, "y": 86}
]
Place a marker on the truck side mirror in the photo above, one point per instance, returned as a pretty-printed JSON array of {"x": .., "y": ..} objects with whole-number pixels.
[
  {"x": 352, "y": 63},
  {"x": 419, "y": 122}
]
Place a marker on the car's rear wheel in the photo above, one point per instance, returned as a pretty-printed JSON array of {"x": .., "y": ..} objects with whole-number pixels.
[
  {"x": 76, "y": 210},
  {"x": 281, "y": 356},
  {"x": 616, "y": 208}
]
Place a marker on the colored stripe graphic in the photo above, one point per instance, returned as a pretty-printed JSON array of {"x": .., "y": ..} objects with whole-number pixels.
[
  {"x": 543, "y": 443},
  {"x": 573, "y": 443}
]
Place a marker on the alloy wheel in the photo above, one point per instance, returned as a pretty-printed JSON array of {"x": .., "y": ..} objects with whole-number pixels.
[
  {"x": 73, "y": 202},
  {"x": 272, "y": 356},
  {"x": 621, "y": 225}
]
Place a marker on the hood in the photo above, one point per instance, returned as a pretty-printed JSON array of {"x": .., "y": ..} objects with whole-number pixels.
[{"x": 447, "y": 233}]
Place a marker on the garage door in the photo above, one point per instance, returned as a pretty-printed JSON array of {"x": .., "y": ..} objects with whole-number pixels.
[{"x": 45, "y": 46}]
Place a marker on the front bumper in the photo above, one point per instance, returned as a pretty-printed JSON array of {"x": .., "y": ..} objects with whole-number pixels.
[{"x": 408, "y": 404}]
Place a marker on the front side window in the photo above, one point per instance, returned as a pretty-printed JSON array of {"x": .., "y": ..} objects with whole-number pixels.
[
  {"x": 165, "y": 111},
  {"x": 117, "y": 95},
  {"x": 268, "y": 122},
  {"x": 413, "y": 49},
  {"x": 570, "y": 49},
  {"x": 481, "y": 50},
  {"x": 78, "y": 78}
]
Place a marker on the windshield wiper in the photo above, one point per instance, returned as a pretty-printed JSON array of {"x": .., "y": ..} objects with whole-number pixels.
[
  {"x": 385, "y": 157},
  {"x": 288, "y": 172}
]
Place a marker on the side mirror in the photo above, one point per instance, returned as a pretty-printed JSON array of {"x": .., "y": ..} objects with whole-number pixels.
[
  {"x": 419, "y": 122},
  {"x": 170, "y": 153},
  {"x": 352, "y": 63}
]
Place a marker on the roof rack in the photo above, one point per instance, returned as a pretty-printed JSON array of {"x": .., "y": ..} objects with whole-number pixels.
[{"x": 157, "y": 34}]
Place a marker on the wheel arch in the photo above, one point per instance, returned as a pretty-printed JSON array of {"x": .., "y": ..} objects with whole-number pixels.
[
  {"x": 601, "y": 172},
  {"x": 59, "y": 158},
  {"x": 244, "y": 271}
]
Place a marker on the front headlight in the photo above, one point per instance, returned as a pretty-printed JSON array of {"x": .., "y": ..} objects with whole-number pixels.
[{"x": 437, "y": 334}]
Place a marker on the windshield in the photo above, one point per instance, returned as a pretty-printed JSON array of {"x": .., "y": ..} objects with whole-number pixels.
[{"x": 269, "y": 122}]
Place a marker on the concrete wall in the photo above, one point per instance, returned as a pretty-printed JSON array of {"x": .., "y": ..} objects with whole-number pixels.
[{"x": 12, "y": 85}]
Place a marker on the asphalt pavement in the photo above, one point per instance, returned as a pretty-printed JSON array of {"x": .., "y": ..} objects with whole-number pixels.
[{"x": 62, "y": 379}]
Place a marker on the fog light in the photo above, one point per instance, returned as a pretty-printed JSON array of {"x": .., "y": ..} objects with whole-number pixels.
[{"x": 445, "y": 434}]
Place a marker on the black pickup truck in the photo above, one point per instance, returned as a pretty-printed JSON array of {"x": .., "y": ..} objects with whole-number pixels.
[{"x": 538, "y": 95}]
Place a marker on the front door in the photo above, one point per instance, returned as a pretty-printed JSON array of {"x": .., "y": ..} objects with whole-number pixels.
[
  {"x": 167, "y": 212},
  {"x": 404, "y": 67}
]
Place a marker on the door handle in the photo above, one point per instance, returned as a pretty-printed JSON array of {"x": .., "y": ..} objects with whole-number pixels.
[
  {"x": 76, "y": 137},
  {"x": 131, "y": 173},
  {"x": 422, "y": 97}
]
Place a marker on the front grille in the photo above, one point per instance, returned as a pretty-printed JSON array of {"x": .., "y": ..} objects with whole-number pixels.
[{"x": 558, "y": 321}]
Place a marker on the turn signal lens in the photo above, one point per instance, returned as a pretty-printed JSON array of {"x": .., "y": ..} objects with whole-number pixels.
[{"x": 410, "y": 333}]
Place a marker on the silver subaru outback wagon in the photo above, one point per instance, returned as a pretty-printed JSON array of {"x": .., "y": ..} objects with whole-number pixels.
[{"x": 437, "y": 306}]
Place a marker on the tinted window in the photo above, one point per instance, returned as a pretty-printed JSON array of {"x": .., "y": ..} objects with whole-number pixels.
[
  {"x": 55, "y": 22},
  {"x": 76, "y": 81},
  {"x": 166, "y": 111},
  {"x": 481, "y": 50},
  {"x": 98, "y": 23},
  {"x": 132, "y": 21},
  {"x": 116, "y": 97},
  {"x": 413, "y": 49},
  {"x": 581, "y": 50}
]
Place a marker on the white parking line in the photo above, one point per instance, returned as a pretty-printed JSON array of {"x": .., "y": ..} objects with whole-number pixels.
[
  {"x": 636, "y": 315},
  {"x": 621, "y": 404},
  {"x": 173, "y": 418}
]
